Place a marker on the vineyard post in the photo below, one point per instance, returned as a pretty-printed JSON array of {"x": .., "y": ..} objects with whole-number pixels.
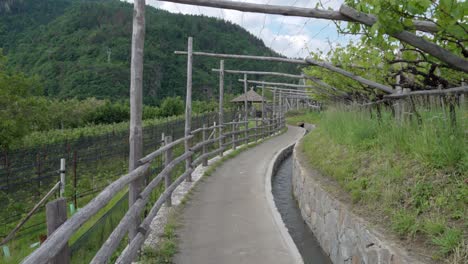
[
  {"x": 188, "y": 106},
  {"x": 56, "y": 215},
  {"x": 74, "y": 179},
  {"x": 38, "y": 168},
  {"x": 62, "y": 177},
  {"x": 167, "y": 160},
  {"x": 7, "y": 165},
  {"x": 246, "y": 111},
  {"x": 205, "y": 160},
  {"x": 221, "y": 105},
  {"x": 405, "y": 109}
]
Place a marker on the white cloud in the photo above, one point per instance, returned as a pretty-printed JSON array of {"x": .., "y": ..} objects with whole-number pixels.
[{"x": 291, "y": 36}]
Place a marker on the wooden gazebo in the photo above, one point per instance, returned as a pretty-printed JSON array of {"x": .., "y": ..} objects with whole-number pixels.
[{"x": 252, "y": 97}]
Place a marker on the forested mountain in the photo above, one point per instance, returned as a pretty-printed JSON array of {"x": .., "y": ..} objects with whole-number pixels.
[{"x": 81, "y": 48}]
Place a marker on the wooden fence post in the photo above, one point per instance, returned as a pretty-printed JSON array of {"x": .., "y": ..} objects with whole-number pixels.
[
  {"x": 75, "y": 154},
  {"x": 404, "y": 107},
  {"x": 62, "y": 178},
  {"x": 462, "y": 96},
  {"x": 221, "y": 105},
  {"x": 205, "y": 160},
  {"x": 233, "y": 136},
  {"x": 256, "y": 130},
  {"x": 188, "y": 106},
  {"x": 246, "y": 111},
  {"x": 56, "y": 213},
  {"x": 281, "y": 110},
  {"x": 263, "y": 101},
  {"x": 274, "y": 104},
  {"x": 167, "y": 160},
  {"x": 397, "y": 105}
]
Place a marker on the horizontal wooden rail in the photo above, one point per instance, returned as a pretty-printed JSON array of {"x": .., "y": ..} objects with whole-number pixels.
[
  {"x": 135, "y": 210},
  {"x": 129, "y": 254},
  {"x": 60, "y": 237},
  {"x": 150, "y": 157},
  {"x": 262, "y": 73},
  {"x": 204, "y": 143},
  {"x": 236, "y": 122},
  {"x": 198, "y": 130},
  {"x": 456, "y": 90},
  {"x": 199, "y": 160}
]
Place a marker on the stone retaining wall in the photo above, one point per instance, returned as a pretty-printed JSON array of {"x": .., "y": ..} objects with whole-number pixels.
[{"x": 345, "y": 237}]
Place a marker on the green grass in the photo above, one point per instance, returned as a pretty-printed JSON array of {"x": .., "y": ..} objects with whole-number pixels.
[
  {"x": 414, "y": 175},
  {"x": 167, "y": 246}
]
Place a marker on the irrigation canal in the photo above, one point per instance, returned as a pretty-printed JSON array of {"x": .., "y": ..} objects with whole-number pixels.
[{"x": 302, "y": 236}]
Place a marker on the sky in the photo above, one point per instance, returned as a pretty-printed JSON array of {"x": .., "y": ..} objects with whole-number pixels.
[{"x": 290, "y": 36}]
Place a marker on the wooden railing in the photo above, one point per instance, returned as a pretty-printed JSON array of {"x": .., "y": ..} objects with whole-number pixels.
[{"x": 229, "y": 134}]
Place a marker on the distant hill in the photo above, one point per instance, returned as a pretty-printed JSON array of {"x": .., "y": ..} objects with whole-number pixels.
[{"x": 82, "y": 48}]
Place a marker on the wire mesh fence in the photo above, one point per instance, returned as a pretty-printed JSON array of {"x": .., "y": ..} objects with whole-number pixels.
[{"x": 92, "y": 163}]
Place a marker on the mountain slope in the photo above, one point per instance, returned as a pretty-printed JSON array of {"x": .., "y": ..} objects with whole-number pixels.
[{"x": 82, "y": 49}]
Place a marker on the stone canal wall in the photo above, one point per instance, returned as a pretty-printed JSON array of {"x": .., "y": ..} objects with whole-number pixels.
[{"x": 344, "y": 236}]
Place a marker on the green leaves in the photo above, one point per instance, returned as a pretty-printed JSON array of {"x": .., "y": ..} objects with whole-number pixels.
[{"x": 417, "y": 7}]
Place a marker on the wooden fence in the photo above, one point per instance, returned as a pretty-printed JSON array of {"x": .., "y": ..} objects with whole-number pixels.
[{"x": 218, "y": 137}]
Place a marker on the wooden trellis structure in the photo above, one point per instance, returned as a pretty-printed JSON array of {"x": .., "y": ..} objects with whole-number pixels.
[{"x": 229, "y": 134}]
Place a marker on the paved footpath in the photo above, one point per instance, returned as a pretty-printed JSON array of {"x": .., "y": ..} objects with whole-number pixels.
[{"x": 228, "y": 219}]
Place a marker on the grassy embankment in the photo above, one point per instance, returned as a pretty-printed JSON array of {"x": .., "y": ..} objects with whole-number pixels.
[{"x": 410, "y": 179}]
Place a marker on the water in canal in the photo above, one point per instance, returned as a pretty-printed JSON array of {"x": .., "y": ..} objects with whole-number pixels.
[{"x": 305, "y": 240}]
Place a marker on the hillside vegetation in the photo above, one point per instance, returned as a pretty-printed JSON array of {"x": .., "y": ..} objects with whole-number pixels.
[{"x": 81, "y": 49}]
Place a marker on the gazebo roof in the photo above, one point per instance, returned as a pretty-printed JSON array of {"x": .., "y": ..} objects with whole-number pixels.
[{"x": 252, "y": 97}]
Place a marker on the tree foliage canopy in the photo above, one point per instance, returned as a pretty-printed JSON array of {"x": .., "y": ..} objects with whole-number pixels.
[{"x": 381, "y": 58}]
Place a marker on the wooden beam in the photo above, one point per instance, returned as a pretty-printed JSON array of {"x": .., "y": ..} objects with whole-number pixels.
[
  {"x": 307, "y": 61},
  {"x": 246, "y": 109},
  {"x": 245, "y": 57},
  {"x": 351, "y": 75},
  {"x": 60, "y": 237},
  {"x": 280, "y": 74},
  {"x": 289, "y": 11},
  {"x": 188, "y": 105},
  {"x": 292, "y": 92},
  {"x": 136, "y": 105},
  {"x": 442, "y": 54},
  {"x": 322, "y": 83},
  {"x": 456, "y": 90},
  {"x": 280, "y": 84}
]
